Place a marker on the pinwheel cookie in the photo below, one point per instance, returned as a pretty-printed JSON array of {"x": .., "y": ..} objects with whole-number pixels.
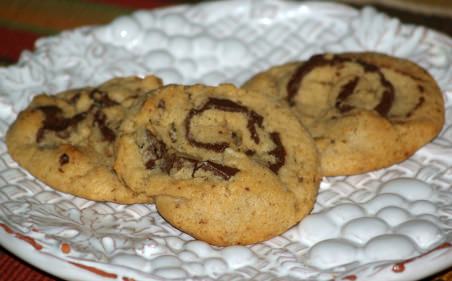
[
  {"x": 66, "y": 140},
  {"x": 224, "y": 165},
  {"x": 365, "y": 111}
]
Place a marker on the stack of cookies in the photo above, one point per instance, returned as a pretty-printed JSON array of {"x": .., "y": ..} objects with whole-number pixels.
[{"x": 228, "y": 165}]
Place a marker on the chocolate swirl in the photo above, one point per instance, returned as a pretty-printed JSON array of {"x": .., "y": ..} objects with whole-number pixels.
[
  {"x": 387, "y": 98},
  {"x": 345, "y": 92},
  {"x": 254, "y": 120},
  {"x": 279, "y": 153},
  {"x": 159, "y": 156},
  {"x": 419, "y": 103},
  {"x": 101, "y": 120},
  {"x": 101, "y": 98},
  {"x": 223, "y": 171},
  {"x": 55, "y": 121}
]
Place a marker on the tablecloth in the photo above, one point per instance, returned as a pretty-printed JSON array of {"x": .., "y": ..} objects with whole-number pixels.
[{"x": 23, "y": 21}]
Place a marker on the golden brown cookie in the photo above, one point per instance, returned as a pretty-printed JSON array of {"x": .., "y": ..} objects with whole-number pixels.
[
  {"x": 224, "y": 165},
  {"x": 365, "y": 111},
  {"x": 67, "y": 140}
]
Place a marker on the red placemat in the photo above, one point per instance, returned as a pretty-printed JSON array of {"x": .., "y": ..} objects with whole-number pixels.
[
  {"x": 12, "y": 268},
  {"x": 23, "y": 21}
]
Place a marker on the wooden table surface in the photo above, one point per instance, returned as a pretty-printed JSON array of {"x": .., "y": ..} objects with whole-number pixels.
[{"x": 23, "y": 21}]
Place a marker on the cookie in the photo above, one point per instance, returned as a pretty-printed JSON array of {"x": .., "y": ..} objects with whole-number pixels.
[
  {"x": 224, "y": 165},
  {"x": 365, "y": 111},
  {"x": 66, "y": 140}
]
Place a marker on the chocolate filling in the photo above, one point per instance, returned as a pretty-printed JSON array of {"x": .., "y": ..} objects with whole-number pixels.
[
  {"x": 223, "y": 171},
  {"x": 74, "y": 99},
  {"x": 278, "y": 152},
  {"x": 156, "y": 150},
  {"x": 300, "y": 73},
  {"x": 101, "y": 120},
  {"x": 254, "y": 120},
  {"x": 161, "y": 104},
  {"x": 55, "y": 121},
  {"x": 295, "y": 81},
  {"x": 64, "y": 159},
  {"x": 101, "y": 98},
  {"x": 420, "y": 88},
  {"x": 160, "y": 157},
  {"x": 345, "y": 92}
]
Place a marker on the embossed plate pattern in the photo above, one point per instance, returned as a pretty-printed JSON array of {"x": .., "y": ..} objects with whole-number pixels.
[{"x": 211, "y": 43}]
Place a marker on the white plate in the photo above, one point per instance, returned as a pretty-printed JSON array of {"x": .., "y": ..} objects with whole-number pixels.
[{"x": 229, "y": 41}]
